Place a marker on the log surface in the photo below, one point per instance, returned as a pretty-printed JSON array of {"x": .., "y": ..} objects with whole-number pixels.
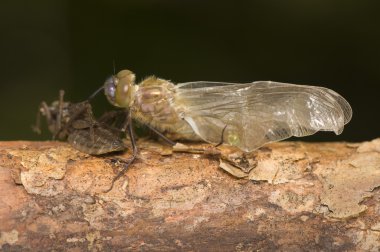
[{"x": 288, "y": 196}]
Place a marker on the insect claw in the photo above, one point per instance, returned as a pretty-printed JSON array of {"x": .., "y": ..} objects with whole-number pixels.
[{"x": 121, "y": 173}]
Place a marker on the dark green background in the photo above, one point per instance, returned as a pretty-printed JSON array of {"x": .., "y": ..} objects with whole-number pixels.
[{"x": 50, "y": 45}]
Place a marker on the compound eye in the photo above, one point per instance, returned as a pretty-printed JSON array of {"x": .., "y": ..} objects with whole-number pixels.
[{"x": 110, "y": 89}]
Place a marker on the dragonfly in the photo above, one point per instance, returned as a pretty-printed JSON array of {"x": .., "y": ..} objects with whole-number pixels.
[
  {"x": 244, "y": 115},
  {"x": 76, "y": 123}
]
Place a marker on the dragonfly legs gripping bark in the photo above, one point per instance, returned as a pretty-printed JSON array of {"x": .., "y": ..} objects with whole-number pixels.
[{"x": 134, "y": 156}]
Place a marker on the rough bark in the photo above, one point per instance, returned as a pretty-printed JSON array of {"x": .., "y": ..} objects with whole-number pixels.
[{"x": 288, "y": 196}]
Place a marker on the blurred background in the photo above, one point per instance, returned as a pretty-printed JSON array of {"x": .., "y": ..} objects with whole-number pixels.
[{"x": 47, "y": 45}]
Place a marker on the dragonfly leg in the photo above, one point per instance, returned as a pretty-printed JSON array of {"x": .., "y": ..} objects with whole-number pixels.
[
  {"x": 134, "y": 153},
  {"x": 126, "y": 123},
  {"x": 161, "y": 135},
  {"x": 221, "y": 138}
]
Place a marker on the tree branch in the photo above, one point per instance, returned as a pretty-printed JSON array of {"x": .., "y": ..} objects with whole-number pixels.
[{"x": 288, "y": 196}]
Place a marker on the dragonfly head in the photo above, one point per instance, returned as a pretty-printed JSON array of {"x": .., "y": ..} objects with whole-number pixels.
[{"x": 119, "y": 88}]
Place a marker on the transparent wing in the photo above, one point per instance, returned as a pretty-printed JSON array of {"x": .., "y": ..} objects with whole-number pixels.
[{"x": 260, "y": 112}]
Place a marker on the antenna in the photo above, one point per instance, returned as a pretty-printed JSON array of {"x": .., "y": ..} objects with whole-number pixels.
[
  {"x": 95, "y": 93},
  {"x": 102, "y": 87}
]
